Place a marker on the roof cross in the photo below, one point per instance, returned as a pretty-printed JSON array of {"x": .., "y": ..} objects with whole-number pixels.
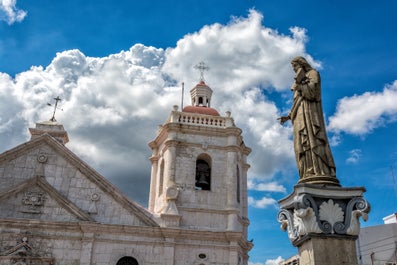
[
  {"x": 201, "y": 66},
  {"x": 55, "y": 107}
]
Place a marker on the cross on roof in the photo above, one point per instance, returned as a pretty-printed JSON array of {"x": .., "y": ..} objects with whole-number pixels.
[
  {"x": 201, "y": 66},
  {"x": 55, "y": 107}
]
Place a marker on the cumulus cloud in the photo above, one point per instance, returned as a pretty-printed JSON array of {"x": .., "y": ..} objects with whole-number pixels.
[
  {"x": 242, "y": 54},
  {"x": 112, "y": 105},
  {"x": 261, "y": 203},
  {"x": 361, "y": 114},
  {"x": 10, "y": 13}
]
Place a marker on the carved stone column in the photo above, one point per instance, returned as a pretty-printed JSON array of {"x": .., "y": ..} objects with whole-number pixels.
[{"x": 323, "y": 222}]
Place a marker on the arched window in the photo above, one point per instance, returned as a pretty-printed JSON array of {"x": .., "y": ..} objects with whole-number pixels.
[
  {"x": 127, "y": 261},
  {"x": 203, "y": 173},
  {"x": 200, "y": 101}
]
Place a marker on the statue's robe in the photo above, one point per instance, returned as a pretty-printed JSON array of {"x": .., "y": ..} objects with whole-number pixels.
[{"x": 312, "y": 150}]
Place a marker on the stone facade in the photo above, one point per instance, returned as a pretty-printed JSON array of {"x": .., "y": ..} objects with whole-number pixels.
[{"x": 56, "y": 209}]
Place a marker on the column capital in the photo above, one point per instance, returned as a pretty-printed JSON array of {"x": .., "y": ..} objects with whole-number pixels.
[{"x": 322, "y": 211}]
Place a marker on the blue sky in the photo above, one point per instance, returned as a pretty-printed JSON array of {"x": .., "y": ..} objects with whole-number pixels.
[{"x": 118, "y": 65}]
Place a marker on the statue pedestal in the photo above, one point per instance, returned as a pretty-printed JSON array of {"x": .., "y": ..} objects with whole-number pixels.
[
  {"x": 323, "y": 222},
  {"x": 327, "y": 251}
]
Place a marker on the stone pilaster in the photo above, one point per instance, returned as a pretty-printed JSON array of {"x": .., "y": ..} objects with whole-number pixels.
[
  {"x": 323, "y": 222},
  {"x": 153, "y": 181}
]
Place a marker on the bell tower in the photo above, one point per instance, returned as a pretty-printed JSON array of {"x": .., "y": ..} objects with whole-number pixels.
[
  {"x": 199, "y": 168},
  {"x": 199, "y": 172}
]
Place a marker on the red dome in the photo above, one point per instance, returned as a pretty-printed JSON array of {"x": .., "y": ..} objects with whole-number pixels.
[{"x": 201, "y": 110}]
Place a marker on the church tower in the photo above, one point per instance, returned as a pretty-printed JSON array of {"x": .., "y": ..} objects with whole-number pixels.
[{"x": 199, "y": 168}]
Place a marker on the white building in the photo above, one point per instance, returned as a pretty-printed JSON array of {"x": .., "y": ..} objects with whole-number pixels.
[
  {"x": 377, "y": 245},
  {"x": 56, "y": 209}
]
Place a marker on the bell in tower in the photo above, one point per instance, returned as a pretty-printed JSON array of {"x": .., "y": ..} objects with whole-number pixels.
[{"x": 203, "y": 175}]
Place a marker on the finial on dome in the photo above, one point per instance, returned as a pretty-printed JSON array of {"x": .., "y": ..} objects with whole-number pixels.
[{"x": 201, "y": 66}]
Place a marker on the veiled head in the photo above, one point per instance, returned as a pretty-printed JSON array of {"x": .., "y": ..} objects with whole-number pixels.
[{"x": 302, "y": 62}]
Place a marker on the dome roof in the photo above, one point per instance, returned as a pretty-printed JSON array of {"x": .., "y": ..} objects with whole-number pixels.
[
  {"x": 201, "y": 110},
  {"x": 202, "y": 83}
]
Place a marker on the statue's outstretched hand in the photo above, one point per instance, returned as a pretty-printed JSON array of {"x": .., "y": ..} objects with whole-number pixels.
[{"x": 283, "y": 119}]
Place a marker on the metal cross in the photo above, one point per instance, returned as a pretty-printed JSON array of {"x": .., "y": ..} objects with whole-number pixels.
[
  {"x": 55, "y": 107},
  {"x": 201, "y": 67}
]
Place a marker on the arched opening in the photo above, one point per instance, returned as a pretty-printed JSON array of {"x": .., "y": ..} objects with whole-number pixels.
[
  {"x": 200, "y": 101},
  {"x": 127, "y": 261},
  {"x": 203, "y": 173}
]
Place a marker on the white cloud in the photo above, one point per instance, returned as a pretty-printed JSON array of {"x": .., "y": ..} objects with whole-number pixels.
[
  {"x": 361, "y": 114},
  {"x": 270, "y": 186},
  {"x": 112, "y": 105},
  {"x": 243, "y": 54},
  {"x": 274, "y": 261},
  {"x": 268, "y": 262},
  {"x": 10, "y": 13},
  {"x": 261, "y": 203},
  {"x": 354, "y": 156}
]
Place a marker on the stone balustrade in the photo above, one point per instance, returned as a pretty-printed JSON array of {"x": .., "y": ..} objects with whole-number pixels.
[{"x": 200, "y": 119}]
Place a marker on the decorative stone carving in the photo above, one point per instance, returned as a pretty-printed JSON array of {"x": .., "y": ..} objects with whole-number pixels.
[
  {"x": 308, "y": 211},
  {"x": 34, "y": 200},
  {"x": 93, "y": 208},
  {"x": 331, "y": 212},
  {"x": 354, "y": 228},
  {"x": 172, "y": 193},
  {"x": 306, "y": 222},
  {"x": 26, "y": 253},
  {"x": 42, "y": 158},
  {"x": 170, "y": 214}
]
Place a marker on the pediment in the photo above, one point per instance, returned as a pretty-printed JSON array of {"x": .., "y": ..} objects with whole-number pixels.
[
  {"x": 24, "y": 253},
  {"x": 35, "y": 198},
  {"x": 32, "y": 158}
]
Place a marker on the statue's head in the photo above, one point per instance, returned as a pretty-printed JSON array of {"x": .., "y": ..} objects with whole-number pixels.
[{"x": 302, "y": 62}]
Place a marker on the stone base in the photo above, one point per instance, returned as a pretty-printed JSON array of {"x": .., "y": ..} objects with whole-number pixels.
[{"x": 327, "y": 251}]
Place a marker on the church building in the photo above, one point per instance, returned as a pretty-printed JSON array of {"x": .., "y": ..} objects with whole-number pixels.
[{"x": 57, "y": 210}]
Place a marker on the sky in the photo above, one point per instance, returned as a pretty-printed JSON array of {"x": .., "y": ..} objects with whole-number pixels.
[{"x": 118, "y": 67}]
